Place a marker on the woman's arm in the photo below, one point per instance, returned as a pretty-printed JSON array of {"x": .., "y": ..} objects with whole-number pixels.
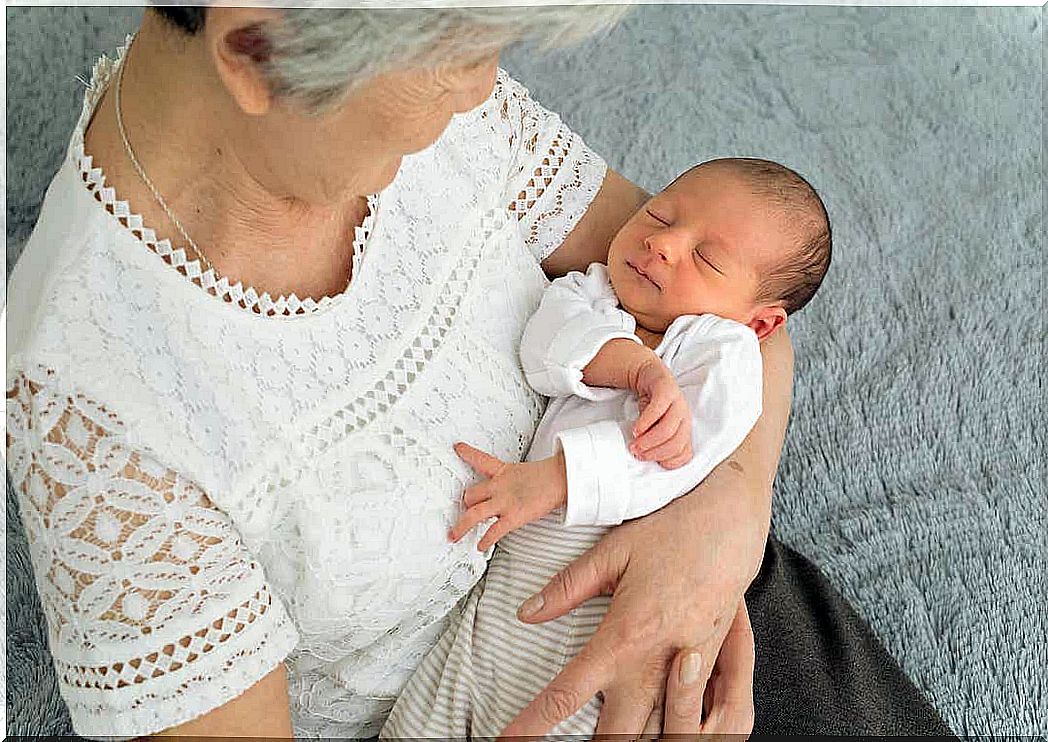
[
  {"x": 134, "y": 553},
  {"x": 260, "y": 711},
  {"x": 615, "y": 202}
]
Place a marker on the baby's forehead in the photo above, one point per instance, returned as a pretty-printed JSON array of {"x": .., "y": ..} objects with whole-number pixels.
[
  {"x": 721, "y": 195},
  {"x": 761, "y": 229}
]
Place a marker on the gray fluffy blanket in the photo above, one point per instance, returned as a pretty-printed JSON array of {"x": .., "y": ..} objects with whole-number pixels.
[{"x": 913, "y": 472}]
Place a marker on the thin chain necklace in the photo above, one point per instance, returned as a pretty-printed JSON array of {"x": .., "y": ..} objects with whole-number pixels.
[{"x": 134, "y": 161}]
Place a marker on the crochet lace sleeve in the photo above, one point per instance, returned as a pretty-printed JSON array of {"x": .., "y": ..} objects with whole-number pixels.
[
  {"x": 553, "y": 175},
  {"x": 156, "y": 612}
]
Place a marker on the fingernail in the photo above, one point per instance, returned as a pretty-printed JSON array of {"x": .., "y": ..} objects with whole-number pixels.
[
  {"x": 690, "y": 668},
  {"x": 531, "y": 606}
]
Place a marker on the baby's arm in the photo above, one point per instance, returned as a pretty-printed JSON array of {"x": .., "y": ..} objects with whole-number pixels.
[
  {"x": 662, "y": 431},
  {"x": 514, "y": 493},
  {"x": 578, "y": 315},
  {"x": 718, "y": 367},
  {"x": 594, "y": 476},
  {"x": 580, "y": 343}
]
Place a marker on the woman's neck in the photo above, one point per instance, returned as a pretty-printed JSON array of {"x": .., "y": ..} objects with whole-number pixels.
[{"x": 176, "y": 114}]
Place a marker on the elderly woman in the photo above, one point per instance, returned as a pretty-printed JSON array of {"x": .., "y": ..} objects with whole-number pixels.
[{"x": 284, "y": 266}]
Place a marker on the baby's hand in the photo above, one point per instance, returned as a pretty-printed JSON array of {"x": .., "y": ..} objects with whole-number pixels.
[
  {"x": 662, "y": 432},
  {"x": 514, "y": 493}
]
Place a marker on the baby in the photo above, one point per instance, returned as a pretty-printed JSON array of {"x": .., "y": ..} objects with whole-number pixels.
[{"x": 654, "y": 368}]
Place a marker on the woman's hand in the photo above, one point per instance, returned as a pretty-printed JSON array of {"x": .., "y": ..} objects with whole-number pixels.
[
  {"x": 514, "y": 493},
  {"x": 662, "y": 432},
  {"x": 676, "y": 578},
  {"x": 721, "y": 705}
]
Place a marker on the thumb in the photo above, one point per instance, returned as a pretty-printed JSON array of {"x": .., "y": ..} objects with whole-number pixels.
[
  {"x": 588, "y": 576},
  {"x": 479, "y": 460}
]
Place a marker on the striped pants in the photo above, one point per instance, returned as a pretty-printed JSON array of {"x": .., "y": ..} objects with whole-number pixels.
[
  {"x": 820, "y": 668},
  {"x": 488, "y": 665}
]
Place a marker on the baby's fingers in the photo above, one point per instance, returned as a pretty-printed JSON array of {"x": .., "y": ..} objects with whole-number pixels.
[
  {"x": 481, "y": 461},
  {"x": 475, "y": 494},
  {"x": 663, "y": 431},
  {"x": 473, "y": 516},
  {"x": 661, "y": 400},
  {"x": 651, "y": 414},
  {"x": 497, "y": 530},
  {"x": 676, "y": 462}
]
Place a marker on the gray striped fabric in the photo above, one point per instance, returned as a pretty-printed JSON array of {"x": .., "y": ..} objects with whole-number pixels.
[{"x": 488, "y": 665}]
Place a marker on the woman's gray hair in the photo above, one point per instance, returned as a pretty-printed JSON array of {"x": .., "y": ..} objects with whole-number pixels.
[{"x": 317, "y": 55}]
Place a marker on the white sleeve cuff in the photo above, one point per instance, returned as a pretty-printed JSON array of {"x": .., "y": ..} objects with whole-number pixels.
[
  {"x": 598, "y": 488},
  {"x": 213, "y": 679},
  {"x": 570, "y": 354}
]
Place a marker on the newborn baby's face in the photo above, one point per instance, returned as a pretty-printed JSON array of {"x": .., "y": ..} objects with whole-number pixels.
[{"x": 698, "y": 247}]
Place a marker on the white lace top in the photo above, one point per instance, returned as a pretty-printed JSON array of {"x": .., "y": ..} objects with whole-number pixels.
[{"x": 214, "y": 481}]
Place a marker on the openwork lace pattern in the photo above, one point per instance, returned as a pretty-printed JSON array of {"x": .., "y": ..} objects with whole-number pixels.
[
  {"x": 556, "y": 170},
  {"x": 133, "y": 564},
  {"x": 411, "y": 363}
]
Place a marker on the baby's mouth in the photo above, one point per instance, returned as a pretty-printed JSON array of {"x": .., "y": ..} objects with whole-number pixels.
[{"x": 643, "y": 274}]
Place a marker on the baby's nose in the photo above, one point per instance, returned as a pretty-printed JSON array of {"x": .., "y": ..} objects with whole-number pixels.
[{"x": 660, "y": 248}]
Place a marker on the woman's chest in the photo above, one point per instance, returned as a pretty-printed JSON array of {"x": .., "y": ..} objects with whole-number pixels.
[
  {"x": 423, "y": 353},
  {"x": 364, "y": 504}
]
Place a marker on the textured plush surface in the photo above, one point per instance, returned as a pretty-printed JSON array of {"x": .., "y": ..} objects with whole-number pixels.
[{"x": 913, "y": 472}]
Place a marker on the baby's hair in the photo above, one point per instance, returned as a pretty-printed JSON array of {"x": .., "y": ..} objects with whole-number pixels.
[{"x": 795, "y": 278}]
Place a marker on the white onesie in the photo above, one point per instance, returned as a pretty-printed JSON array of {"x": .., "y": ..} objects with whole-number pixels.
[{"x": 488, "y": 665}]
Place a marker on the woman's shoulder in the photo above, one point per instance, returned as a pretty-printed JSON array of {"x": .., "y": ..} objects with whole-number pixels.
[
  {"x": 507, "y": 124},
  {"x": 51, "y": 272},
  {"x": 88, "y": 316}
]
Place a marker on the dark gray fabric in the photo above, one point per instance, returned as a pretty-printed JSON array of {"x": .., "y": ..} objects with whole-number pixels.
[
  {"x": 819, "y": 669},
  {"x": 47, "y": 48}
]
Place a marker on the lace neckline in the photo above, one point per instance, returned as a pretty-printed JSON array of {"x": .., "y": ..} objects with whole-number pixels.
[{"x": 240, "y": 296}]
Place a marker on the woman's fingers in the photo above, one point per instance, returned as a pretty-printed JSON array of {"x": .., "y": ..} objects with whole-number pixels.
[
  {"x": 624, "y": 711},
  {"x": 730, "y": 710},
  {"x": 578, "y": 682},
  {"x": 590, "y": 575},
  {"x": 594, "y": 573},
  {"x": 480, "y": 461},
  {"x": 685, "y": 684},
  {"x": 653, "y": 728}
]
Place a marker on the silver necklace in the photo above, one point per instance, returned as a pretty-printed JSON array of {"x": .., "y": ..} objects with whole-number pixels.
[{"x": 142, "y": 174}]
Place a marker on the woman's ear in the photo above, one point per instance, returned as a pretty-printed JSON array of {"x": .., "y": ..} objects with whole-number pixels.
[
  {"x": 237, "y": 46},
  {"x": 767, "y": 320}
]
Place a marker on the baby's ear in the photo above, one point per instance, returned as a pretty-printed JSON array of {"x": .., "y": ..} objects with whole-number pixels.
[{"x": 767, "y": 320}]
